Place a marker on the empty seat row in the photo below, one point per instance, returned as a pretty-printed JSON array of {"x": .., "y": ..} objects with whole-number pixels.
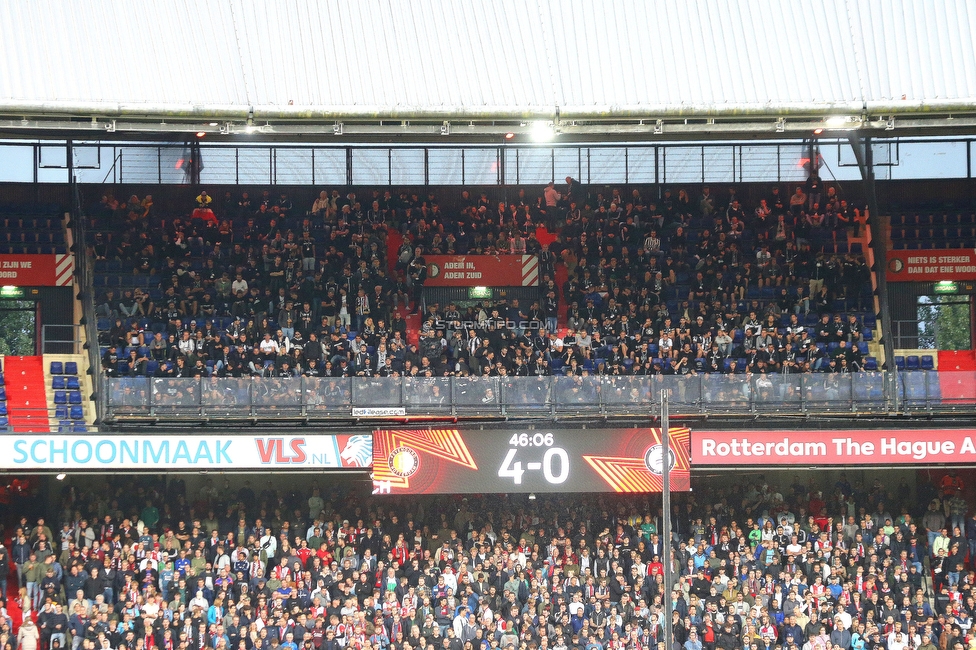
[
  {"x": 915, "y": 362},
  {"x": 67, "y": 397},
  {"x": 30, "y": 223},
  {"x": 31, "y": 237},
  {"x": 950, "y": 232},
  {"x": 928, "y": 244},
  {"x": 66, "y": 412},
  {"x": 66, "y": 368},
  {"x": 33, "y": 249},
  {"x": 62, "y": 382},
  {"x": 933, "y": 219}
]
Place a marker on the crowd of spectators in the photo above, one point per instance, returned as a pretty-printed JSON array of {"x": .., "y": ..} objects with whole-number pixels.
[
  {"x": 669, "y": 285},
  {"x": 142, "y": 564}
]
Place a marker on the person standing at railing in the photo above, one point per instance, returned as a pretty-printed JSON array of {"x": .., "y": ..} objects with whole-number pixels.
[{"x": 417, "y": 272}]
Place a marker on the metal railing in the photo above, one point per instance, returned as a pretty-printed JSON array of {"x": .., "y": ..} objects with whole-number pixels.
[
  {"x": 294, "y": 163},
  {"x": 540, "y": 397},
  {"x": 906, "y": 334},
  {"x": 61, "y": 339},
  {"x": 85, "y": 267}
]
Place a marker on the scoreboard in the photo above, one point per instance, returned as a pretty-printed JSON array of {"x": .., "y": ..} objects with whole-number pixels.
[{"x": 454, "y": 461}]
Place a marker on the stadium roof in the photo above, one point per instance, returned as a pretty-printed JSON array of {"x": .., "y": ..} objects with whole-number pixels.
[{"x": 293, "y": 67}]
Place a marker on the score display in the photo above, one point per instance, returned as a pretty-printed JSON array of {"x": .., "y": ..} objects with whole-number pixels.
[{"x": 454, "y": 461}]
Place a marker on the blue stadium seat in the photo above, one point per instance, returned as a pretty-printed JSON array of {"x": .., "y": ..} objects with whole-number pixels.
[
  {"x": 61, "y": 412},
  {"x": 863, "y": 348},
  {"x": 911, "y": 362},
  {"x": 3, "y": 409},
  {"x": 74, "y": 397},
  {"x": 71, "y": 368},
  {"x": 928, "y": 363},
  {"x": 870, "y": 363},
  {"x": 900, "y": 363},
  {"x": 77, "y": 413},
  {"x": 57, "y": 382},
  {"x": 3, "y": 422},
  {"x": 152, "y": 367},
  {"x": 3, "y": 394},
  {"x": 60, "y": 397},
  {"x": 73, "y": 383},
  {"x": 79, "y": 427},
  {"x": 64, "y": 426},
  {"x": 57, "y": 368},
  {"x": 868, "y": 334}
]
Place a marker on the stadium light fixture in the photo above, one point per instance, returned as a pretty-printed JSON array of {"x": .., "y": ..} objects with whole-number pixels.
[
  {"x": 818, "y": 131},
  {"x": 659, "y": 127},
  {"x": 213, "y": 124},
  {"x": 201, "y": 134},
  {"x": 531, "y": 496},
  {"x": 509, "y": 135},
  {"x": 446, "y": 128},
  {"x": 836, "y": 121},
  {"x": 542, "y": 131},
  {"x": 250, "y": 128},
  {"x": 781, "y": 125},
  {"x": 337, "y": 128},
  {"x": 61, "y": 476}
]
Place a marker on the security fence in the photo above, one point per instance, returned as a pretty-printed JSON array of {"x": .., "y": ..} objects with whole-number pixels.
[{"x": 540, "y": 397}]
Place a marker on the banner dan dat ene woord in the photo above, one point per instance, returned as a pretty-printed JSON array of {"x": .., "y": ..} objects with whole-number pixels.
[{"x": 855, "y": 447}]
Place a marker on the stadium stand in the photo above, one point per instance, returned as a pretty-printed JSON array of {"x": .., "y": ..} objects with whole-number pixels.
[
  {"x": 322, "y": 567},
  {"x": 683, "y": 285}
]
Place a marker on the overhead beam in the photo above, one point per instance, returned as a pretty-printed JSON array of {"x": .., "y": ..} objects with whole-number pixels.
[
  {"x": 107, "y": 109},
  {"x": 673, "y": 128}
]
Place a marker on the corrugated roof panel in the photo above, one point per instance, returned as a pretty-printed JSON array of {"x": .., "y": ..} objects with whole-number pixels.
[
  {"x": 112, "y": 50},
  {"x": 487, "y": 57},
  {"x": 916, "y": 50}
]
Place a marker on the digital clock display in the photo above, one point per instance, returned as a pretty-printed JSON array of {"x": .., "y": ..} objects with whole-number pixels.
[{"x": 453, "y": 461}]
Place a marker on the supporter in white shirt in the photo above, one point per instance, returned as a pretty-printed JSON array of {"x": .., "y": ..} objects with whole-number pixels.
[
  {"x": 239, "y": 284},
  {"x": 268, "y": 543},
  {"x": 794, "y": 547},
  {"x": 897, "y": 641},
  {"x": 269, "y": 345},
  {"x": 200, "y": 601}
]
